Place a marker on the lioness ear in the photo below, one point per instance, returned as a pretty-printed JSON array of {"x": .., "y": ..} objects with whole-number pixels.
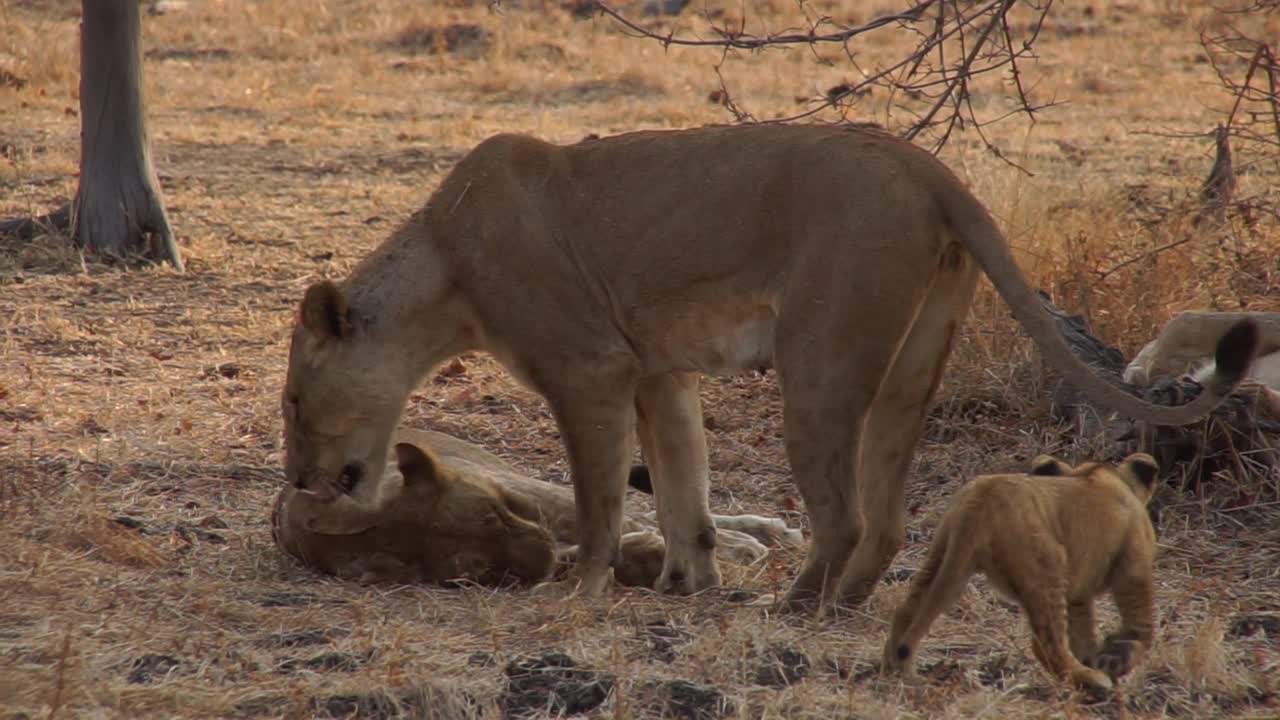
[
  {"x": 416, "y": 464},
  {"x": 1049, "y": 465},
  {"x": 1142, "y": 468},
  {"x": 324, "y": 311}
]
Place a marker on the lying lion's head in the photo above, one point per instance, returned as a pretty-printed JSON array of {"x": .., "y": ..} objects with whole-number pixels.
[
  {"x": 340, "y": 402},
  {"x": 427, "y": 522}
]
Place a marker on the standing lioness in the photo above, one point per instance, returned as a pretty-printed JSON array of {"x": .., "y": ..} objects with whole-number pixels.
[{"x": 607, "y": 275}]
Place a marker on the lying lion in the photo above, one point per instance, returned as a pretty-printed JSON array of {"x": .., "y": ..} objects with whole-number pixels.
[
  {"x": 1187, "y": 342},
  {"x": 449, "y": 510},
  {"x": 1051, "y": 541}
]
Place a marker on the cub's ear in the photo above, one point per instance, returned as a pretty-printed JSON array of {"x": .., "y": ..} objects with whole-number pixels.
[
  {"x": 1049, "y": 465},
  {"x": 1143, "y": 468},
  {"x": 324, "y": 311},
  {"x": 416, "y": 465}
]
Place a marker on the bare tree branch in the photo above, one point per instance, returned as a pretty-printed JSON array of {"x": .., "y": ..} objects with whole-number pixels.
[
  {"x": 1255, "y": 111},
  {"x": 957, "y": 41}
]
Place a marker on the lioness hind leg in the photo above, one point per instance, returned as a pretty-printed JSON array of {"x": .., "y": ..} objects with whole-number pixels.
[
  {"x": 821, "y": 437},
  {"x": 597, "y": 427},
  {"x": 836, "y": 339},
  {"x": 669, "y": 416},
  {"x": 896, "y": 423}
]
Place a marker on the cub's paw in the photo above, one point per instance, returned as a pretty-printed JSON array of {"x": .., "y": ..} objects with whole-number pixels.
[{"x": 1118, "y": 655}]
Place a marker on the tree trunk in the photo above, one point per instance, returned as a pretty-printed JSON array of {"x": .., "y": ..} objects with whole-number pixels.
[{"x": 119, "y": 210}]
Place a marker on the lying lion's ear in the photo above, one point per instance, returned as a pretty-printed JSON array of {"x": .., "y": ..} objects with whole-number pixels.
[
  {"x": 1049, "y": 465},
  {"x": 325, "y": 312},
  {"x": 1142, "y": 468},
  {"x": 416, "y": 464}
]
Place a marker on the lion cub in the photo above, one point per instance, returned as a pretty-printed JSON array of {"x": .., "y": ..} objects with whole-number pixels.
[{"x": 1052, "y": 541}]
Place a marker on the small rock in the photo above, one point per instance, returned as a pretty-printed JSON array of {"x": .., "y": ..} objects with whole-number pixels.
[
  {"x": 371, "y": 706},
  {"x": 228, "y": 370},
  {"x": 691, "y": 701},
  {"x": 301, "y": 638},
  {"x": 897, "y": 575},
  {"x": 186, "y": 533},
  {"x": 324, "y": 662},
  {"x": 1252, "y": 624},
  {"x": 465, "y": 39},
  {"x": 164, "y": 7},
  {"x": 482, "y": 659},
  {"x": 132, "y": 523},
  {"x": 274, "y": 705},
  {"x": 663, "y": 639},
  {"x": 781, "y": 666},
  {"x": 996, "y": 671},
  {"x": 152, "y": 668},
  {"x": 552, "y": 683}
]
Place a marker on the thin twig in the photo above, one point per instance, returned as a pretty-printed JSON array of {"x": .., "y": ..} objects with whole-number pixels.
[{"x": 984, "y": 38}]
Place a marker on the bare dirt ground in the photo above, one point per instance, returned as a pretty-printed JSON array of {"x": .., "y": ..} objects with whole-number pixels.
[{"x": 140, "y": 443}]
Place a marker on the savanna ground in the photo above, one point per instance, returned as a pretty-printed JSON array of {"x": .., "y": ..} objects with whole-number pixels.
[{"x": 140, "y": 446}]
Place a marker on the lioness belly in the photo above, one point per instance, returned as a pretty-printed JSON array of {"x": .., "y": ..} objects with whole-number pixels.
[{"x": 718, "y": 342}]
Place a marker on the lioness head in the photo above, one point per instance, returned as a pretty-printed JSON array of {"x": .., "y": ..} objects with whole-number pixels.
[{"x": 340, "y": 402}]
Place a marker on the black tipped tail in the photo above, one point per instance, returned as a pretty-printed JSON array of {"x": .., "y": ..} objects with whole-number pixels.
[
  {"x": 1236, "y": 350},
  {"x": 904, "y": 652},
  {"x": 639, "y": 479}
]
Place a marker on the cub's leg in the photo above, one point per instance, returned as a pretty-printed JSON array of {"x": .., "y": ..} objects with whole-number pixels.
[
  {"x": 669, "y": 416},
  {"x": 1037, "y": 579},
  {"x": 936, "y": 587},
  {"x": 896, "y": 423},
  {"x": 1082, "y": 627},
  {"x": 1131, "y": 588},
  {"x": 597, "y": 425}
]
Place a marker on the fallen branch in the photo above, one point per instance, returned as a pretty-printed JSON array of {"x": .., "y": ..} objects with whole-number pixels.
[
  {"x": 27, "y": 228},
  {"x": 1235, "y": 451}
]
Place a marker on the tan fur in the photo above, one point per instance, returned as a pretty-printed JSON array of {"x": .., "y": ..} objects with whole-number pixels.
[
  {"x": 1189, "y": 339},
  {"x": 1051, "y": 541},
  {"x": 608, "y": 275},
  {"x": 460, "y": 512}
]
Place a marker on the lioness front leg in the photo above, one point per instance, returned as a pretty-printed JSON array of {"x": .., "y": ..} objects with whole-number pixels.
[
  {"x": 597, "y": 428},
  {"x": 669, "y": 416}
]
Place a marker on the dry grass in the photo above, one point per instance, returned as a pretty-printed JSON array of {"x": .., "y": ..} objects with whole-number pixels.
[{"x": 139, "y": 426}]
